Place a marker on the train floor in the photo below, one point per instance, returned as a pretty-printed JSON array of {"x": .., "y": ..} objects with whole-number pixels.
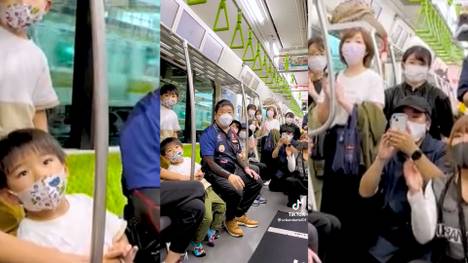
[{"x": 229, "y": 249}]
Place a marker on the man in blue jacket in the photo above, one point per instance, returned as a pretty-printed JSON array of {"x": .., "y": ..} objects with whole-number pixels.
[{"x": 181, "y": 201}]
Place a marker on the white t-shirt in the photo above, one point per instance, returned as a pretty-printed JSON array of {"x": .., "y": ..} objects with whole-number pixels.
[
  {"x": 367, "y": 86},
  {"x": 271, "y": 124},
  {"x": 184, "y": 169},
  {"x": 169, "y": 119},
  {"x": 25, "y": 83},
  {"x": 71, "y": 232}
]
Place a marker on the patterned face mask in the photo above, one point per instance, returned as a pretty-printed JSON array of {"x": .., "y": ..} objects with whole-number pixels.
[
  {"x": 44, "y": 194},
  {"x": 20, "y": 16}
]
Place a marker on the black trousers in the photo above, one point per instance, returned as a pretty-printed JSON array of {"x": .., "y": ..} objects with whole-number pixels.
[
  {"x": 288, "y": 183},
  {"x": 237, "y": 202},
  {"x": 327, "y": 227},
  {"x": 183, "y": 202}
]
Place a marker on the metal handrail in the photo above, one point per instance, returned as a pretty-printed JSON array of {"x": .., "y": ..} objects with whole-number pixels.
[
  {"x": 332, "y": 104},
  {"x": 245, "y": 115},
  {"x": 100, "y": 131},
  {"x": 394, "y": 66},
  {"x": 192, "y": 108}
]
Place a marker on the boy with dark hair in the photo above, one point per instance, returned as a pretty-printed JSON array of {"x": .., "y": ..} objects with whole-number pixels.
[
  {"x": 33, "y": 173},
  {"x": 169, "y": 121},
  {"x": 171, "y": 149},
  {"x": 25, "y": 86}
]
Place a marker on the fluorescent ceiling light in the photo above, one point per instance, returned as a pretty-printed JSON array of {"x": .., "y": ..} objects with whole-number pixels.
[{"x": 254, "y": 10}]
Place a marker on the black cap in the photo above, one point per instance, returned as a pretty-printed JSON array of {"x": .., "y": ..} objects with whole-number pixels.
[{"x": 416, "y": 102}]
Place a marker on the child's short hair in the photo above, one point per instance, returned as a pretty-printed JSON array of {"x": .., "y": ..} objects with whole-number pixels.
[
  {"x": 168, "y": 141},
  {"x": 19, "y": 143},
  {"x": 168, "y": 88},
  {"x": 237, "y": 123}
]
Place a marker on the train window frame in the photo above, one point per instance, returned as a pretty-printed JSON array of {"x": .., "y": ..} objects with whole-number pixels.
[{"x": 185, "y": 134}]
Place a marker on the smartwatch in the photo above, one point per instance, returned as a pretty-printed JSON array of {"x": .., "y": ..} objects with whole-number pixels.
[{"x": 416, "y": 155}]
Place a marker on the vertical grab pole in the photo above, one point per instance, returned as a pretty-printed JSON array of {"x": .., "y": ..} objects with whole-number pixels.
[
  {"x": 331, "y": 79},
  {"x": 244, "y": 113},
  {"x": 192, "y": 109},
  {"x": 101, "y": 132},
  {"x": 377, "y": 55},
  {"x": 394, "y": 66}
]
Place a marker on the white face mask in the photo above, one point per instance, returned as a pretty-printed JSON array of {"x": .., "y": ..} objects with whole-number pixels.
[
  {"x": 416, "y": 73},
  {"x": 169, "y": 103},
  {"x": 20, "y": 16},
  {"x": 225, "y": 120},
  {"x": 417, "y": 130},
  {"x": 251, "y": 113},
  {"x": 317, "y": 63},
  {"x": 243, "y": 134},
  {"x": 177, "y": 157},
  {"x": 270, "y": 114},
  {"x": 289, "y": 120},
  {"x": 353, "y": 53},
  {"x": 287, "y": 136},
  {"x": 44, "y": 194}
]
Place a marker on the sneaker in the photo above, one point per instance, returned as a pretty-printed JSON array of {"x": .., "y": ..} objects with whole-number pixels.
[
  {"x": 218, "y": 234},
  {"x": 233, "y": 228},
  {"x": 245, "y": 221},
  {"x": 198, "y": 249},
  {"x": 256, "y": 203},
  {"x": 261, "y": 199},
  {"x": 211, "y": 236}
]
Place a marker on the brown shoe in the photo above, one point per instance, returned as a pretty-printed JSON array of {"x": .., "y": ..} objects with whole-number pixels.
[
  {"x": 245, "y": 221},
  {"x": 233, "y": 228}
]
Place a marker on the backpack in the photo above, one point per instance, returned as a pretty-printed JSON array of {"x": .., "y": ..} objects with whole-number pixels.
[{"x": 348, "y": 147}]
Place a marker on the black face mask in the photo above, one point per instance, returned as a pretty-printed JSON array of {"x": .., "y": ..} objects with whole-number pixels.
[{"x": 460, "y": 154}]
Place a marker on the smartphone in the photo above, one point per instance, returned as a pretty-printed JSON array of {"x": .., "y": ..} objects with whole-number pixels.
[{"x": 398, "y": 122}]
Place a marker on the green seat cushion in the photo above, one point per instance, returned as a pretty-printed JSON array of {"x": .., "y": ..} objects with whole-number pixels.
[
  {"x": 81, "y": 179},
  {"x": 188, "y": 151}
]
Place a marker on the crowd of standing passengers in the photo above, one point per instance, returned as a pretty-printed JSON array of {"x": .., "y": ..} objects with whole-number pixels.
[{"x": 404, "y": 197}]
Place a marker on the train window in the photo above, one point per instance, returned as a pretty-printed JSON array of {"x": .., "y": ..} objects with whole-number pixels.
[
  {"x": 204, "y": 94},
  {"x": 55, "y": 35},
  {"x": 171, "y": 74},
  {"x": 132, "y": 57},
  {"x": 334, "y": 43}
]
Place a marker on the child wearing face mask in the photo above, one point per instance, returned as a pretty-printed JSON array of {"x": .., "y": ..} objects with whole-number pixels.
[
  {"x": 169, "y": 121},
  {"x": 26, "y": 88},
  {"x": 33, "y": 173},
  {"x": 404, "y": 157},
  {"x": 438, "y": 207},
  {"x": 215, "y": 208},
  {"x": 416, "y": 63}
]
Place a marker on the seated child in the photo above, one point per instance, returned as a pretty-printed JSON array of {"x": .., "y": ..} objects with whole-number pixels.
[
  {"x": 215, "y": 208},
  {"x": 33, "y": 173}
]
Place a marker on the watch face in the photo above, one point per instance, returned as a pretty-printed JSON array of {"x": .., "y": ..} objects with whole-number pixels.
[{"x": 416, "y": 155}]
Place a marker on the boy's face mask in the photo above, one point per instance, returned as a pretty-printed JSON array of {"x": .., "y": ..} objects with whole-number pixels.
[
  {"x": 44, "y": 194},
  {"x": 176, "y": 157},
  {"x": 20, "y": 16}
]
